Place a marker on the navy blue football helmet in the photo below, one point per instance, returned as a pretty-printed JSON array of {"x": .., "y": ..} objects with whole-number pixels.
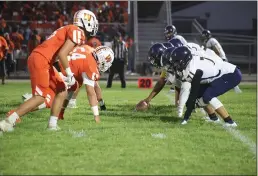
[
  {"x": 154, "y": 54},
  {"x": 176, "y": 42},
  {"x": 180, "y": 57},
  {"x": 170, "y": 31},
  {"x": 168, "y": 44},
  {"x": 166, "y": 59},
  {"x": 206, "y": 34}
]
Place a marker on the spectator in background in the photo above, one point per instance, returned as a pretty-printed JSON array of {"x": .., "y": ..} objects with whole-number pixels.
[
  {"x": 17, "y": 39},
  {"x": 120, "y": 60},
  {"x": 9, "y": 58},
  {"x": 43, "y": 38},
  {"x": 59, "y": 21},
  {"x": 94, "y": 42},
  {"x": 129, "y": 45},
  {"x": 27, "y": 33},
  {"x": 3, "y": 53},
  {"x": 3, "y": 27},
  {"x": 33, "y": 41}
]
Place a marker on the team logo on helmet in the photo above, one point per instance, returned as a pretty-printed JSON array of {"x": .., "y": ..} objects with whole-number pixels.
[
  {"x": 87, "y": 16},
  {"x": 108, "y": 58}
]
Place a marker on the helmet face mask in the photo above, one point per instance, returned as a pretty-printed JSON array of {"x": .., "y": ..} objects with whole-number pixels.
[
  {"x": 170, "y": 32},
  {"x": 104, "y": 57},
  {"x": 155, "y": 53},
  {"x": 206, "y": 34}
]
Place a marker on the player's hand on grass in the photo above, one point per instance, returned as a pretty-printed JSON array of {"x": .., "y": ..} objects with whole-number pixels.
[{"x": 143, "y": 105}]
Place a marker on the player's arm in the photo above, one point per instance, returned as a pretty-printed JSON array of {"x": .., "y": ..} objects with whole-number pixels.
[
  {"x": 92, "y": 96},
  {"x": 157, "y": 88},
  {"x": 216, "y": 47},
  {"x": 63, "y": 53},
  {"x": 177, "y": 92},
  {"x": 183, "y": 96},
  {"x": 183, "y": 40},
  {"x": 99, "y": 96},
  {"x": 195, "y": 86}
]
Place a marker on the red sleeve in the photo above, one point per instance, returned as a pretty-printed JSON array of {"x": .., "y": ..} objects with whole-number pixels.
[{"x": 91, "y": 69}]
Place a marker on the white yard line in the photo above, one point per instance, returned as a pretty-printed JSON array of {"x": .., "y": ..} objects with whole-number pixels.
[
  {"x": 234, "y": 132},
  {"x": 239, "y": 136}
]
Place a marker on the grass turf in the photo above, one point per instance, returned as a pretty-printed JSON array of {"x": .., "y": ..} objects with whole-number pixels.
[{"x": 128, "y": 142}]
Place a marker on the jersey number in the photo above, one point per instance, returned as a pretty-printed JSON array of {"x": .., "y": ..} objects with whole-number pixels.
[
  {"x": 77, "y": 35},
  {"x": 74, "y": 55}
]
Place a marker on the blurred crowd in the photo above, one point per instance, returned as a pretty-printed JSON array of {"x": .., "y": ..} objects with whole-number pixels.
[
  {"x": 24, "y": 25},
  {"x": 106, "y": 11}
]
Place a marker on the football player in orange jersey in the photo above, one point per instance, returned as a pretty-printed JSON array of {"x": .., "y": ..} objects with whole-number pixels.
[
  {"x": 93, "y": 42},
  {"x": 89, "y": 75},
  {"x": 40, "y": 61},
  {"x": 85, "y": 62}
]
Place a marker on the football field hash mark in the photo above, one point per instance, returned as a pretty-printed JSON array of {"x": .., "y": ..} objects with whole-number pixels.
[{"x": 158, "y": 135}]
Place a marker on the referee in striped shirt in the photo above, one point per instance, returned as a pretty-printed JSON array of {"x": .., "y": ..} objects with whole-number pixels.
[{"x": 120, "y": 60}]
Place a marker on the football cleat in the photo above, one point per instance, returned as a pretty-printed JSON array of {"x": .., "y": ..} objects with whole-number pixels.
[
  {"x": 237, "y": 90},
  {"x": 53, "y": 128},
  {"x": 230, "y": 124},
  {"x": 207, "y": 119},
  {"x": 103, "y": 107},
  {"x": 184, "y": 122},
  {"x": 26, "y": 97},
  {"x": 72, "y": 105}
]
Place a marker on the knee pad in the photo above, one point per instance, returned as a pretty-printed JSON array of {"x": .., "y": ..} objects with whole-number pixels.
[{"x": 215, "y": 103}]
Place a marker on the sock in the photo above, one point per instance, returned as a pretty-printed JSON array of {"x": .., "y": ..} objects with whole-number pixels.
[
  {"x": 42, "y": 106},
  {"x": 228, "y": 120},
  {"x": 213, "y": 116},
  {"x": 13, "y": 117},
  {"x": 53, "y": 121},
  {"x": 101, "y": 102}
]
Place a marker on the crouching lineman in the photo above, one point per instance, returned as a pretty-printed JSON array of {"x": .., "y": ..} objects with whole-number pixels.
[
  {"x": 154, "y": 56},
  {"x": 213, "y": 44},
  {"x": 204, "y": 77},
  {"x": 85, "y": 62}
]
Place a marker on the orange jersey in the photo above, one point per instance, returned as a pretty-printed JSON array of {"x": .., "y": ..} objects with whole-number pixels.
[
  {"x": 11, "y": 47},
  {"x": 3, "y": 47},
  {"x": 50, "y": 47},
  {"x": 17, "y": 39},
  {"x": 83, "y": 64},
  {"x": 94, "y": 42}
]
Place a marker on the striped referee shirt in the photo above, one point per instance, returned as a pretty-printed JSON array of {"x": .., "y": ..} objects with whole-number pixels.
[{"x": 120, "y": 50}]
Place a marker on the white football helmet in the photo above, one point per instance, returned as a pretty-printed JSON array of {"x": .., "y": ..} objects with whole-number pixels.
[
  {"x": 87, "y": 20},
  {"x": 104, "y": 57}
]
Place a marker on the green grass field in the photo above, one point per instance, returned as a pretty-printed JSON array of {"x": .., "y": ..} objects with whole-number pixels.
[{"x": 128, "y": 142}]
